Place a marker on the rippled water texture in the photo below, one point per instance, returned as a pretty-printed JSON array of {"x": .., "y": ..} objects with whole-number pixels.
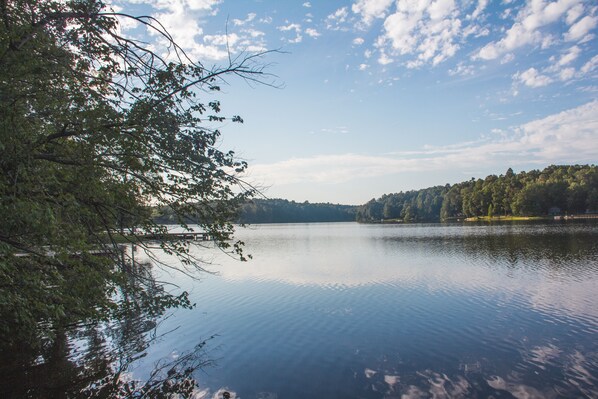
[{"x": 413, "y": 311}]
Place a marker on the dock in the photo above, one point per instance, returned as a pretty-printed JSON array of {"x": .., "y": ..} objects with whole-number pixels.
[{"x": 189, "y": 236}]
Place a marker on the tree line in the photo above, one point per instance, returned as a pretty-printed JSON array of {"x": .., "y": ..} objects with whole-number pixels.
[
  {"x": 276, "y": 211},
  {"x": 284, "y": 211},
  {"x": 557, "y": 189}
]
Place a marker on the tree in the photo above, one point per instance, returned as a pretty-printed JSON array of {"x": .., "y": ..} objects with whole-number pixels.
[{"x": 94, "y": 128}]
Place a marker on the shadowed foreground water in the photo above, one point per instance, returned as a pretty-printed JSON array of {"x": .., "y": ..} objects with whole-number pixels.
[{"x": 387, "y": 311}]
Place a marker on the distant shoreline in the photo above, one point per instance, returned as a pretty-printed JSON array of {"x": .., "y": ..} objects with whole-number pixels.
[
  {"x": 517, "y": 218},
  {"x": 592, "y": 216}
]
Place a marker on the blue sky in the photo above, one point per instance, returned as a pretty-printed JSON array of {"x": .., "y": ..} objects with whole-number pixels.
[{"x": 381, "y": 96}]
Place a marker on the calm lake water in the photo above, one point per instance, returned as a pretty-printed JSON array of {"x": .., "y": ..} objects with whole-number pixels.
[
  {"x": 348, "y": 310},
  {"x": 413, "y": 311}
]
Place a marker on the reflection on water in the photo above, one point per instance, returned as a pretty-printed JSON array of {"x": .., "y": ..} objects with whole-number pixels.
[
  {"x": 414, "y": 311},
  {"x": 379, "y": 311},
  {"x": 93, "y": 359}
]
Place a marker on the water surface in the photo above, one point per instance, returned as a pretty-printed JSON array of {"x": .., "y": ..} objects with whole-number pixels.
[{"x": 372, "y": 311}]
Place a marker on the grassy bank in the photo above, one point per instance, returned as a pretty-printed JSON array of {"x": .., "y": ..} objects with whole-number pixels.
[{"x": 505, "y": 218}]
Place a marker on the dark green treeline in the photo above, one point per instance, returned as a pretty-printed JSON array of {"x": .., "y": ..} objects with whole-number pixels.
[
  {"x": 554, "y": 190},
  {"x": 277, "y": 211},
  {"x": 284, "y": 211}
]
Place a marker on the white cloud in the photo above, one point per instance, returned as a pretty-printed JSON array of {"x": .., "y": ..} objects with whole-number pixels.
[
  {"x": 563, "y": 68},
  {"x": 311, "y": 32},
  {"x": 507, "y": 58},
  {"x": 307, "y": 4},
  {"x": 574, "y": 13},
  {"x": 570, "y": 56},
  {"x": 202, "y": 4},
  {"x": 181, "y": 19},
  {"x": 516, "y": 37},
  {"x": 371, "y": 9},
  {"x": 565, "y": 137},
  {"x": 475, "y": 31},
  {"x": 335, "y": 130},
  {"x": 506, "y": 13},
  {"x": 590, "y": 65},
  {"x": 581, "y": 28},
  {"x": 185, "y": 31},
  {"x": 384, "y": 59},
  {"x": 426, "y": 31},
  {"x": 358, "y": 41},
  {"x": 532, "y": 78},
  {"x": 527, "y": 28},
  {"x": 292, "y": 27},
  {"x": 363, "y": 67},
  {"x": 567, "y": 74},
  {"x": 254, "y": 33},
  {"x": 221, "y": 40},
  {"x": 240, "y": 22},
  {"x": 337, "y": 19},
  {"x": 461, "y": 70},
  {"x": 440, "y": 9},
  {"x": 289, "y": 27},
  {"x": 482, "y": 4}
]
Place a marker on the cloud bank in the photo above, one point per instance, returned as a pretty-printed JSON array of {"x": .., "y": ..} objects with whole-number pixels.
[{"x": 570, "y": 136}]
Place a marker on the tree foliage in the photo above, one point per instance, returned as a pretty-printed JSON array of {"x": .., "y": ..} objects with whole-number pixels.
[
  {"x": 96, "y": 127},
  {"x": 556, "y": 189},
  {"x": 275, "y": 210},
  {"x": 284, "y": 211}
]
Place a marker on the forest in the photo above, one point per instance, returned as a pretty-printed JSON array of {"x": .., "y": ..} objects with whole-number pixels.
[
  {"x": 555, "y": 190},
  {"x": 277, "y": 211},
  {"x": 284, "y": 211}
]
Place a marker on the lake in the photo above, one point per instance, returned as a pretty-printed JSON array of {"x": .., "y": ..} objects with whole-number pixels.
[
  {"x": 370, "y": 311},
  {"x": 347, "y": 310}
]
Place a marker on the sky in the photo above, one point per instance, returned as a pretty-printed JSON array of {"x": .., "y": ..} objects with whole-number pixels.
[{"x": 372, "y": 97}]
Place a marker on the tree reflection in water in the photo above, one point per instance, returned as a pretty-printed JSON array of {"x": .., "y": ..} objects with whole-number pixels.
[{"x": 92, "y": 359}]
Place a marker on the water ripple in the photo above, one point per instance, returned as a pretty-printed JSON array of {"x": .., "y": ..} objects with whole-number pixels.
[{"x": 422, "y": 311}]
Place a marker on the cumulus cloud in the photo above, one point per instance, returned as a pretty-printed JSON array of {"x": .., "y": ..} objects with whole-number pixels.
[
  {"x": 574, "y": 13},
  {"x": 181, "y": 19},
  {"x": 590, "y": 66},
  {"x": 532, "y": 78},
  {"x": 570, "y": 56},
  {"x": 311, "y": 32},
  {"x": 285, "y": 28},
  {"x": 567, "y": 74},
  {"x": 527, "y": 28},
  {"x": 562, "y": 69},
  {"x": 427, "y": 31},
  {"x": 580, "y": 29},
  {"x": 371, "y": 9},
  {"x": 338, "y": 19},
  {"x": 295, "y": 28},
  {"x": 482, "y": 4},
  {"x": 384, "y": 59},
  {"x": 461, "y": 69},
  {"x": 240, "y": 22},
  {"x": 358, "y": 41},
  {"x": 507, "y": 58},
  {"x": 565, "y": 137}
]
